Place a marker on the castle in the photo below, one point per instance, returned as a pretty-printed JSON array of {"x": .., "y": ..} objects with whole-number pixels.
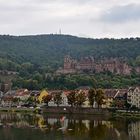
[{"x": 90, "y": 65}]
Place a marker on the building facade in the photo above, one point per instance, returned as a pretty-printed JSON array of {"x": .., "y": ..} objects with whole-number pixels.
[
  {"x": 133, "y": 97},
  {"x": 89, "y": 64}
]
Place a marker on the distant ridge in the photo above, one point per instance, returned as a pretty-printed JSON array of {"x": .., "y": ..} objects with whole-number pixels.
[{"x": 50, "y": 49}]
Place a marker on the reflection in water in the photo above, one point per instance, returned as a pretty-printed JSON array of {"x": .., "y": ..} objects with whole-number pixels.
[
  {"x": 134, "y": 130},
  {"x": 36, "y": 127}
]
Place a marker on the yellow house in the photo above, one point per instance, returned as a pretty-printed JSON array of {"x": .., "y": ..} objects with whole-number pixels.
[{"x": 42, "y": 94}]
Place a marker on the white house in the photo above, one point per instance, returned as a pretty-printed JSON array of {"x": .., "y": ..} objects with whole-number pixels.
[
  {"x": 64, "y": 98},
  {"x": 133, "y": 97}
]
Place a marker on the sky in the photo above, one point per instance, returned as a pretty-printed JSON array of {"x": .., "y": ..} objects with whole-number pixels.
[{"x": 84, "y": 18}]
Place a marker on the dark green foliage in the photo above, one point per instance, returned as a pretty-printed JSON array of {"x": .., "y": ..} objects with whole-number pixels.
[
  {"x": 34, "y": 56},
  {"x": 49, "y": 50}
]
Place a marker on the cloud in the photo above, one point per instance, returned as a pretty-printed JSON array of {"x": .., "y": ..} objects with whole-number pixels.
[
  {"x": 72, "y": 16},
  {"x": 122, "y": 14}
]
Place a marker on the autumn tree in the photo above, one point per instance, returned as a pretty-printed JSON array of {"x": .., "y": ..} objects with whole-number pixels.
[
  {"x": 71, "y": 98},
  {"x": 91, "y": 96},
  {"x": 47, "y": 99},
  {"x": 80, "y": 98},
  {"x": 99, "y": 97},
  {"x": 58, "y": 99}
]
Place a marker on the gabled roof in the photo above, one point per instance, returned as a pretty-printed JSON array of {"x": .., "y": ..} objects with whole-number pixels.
[
  {"x": 110, "y": 93},
  {"x": 121, "y": 93},
  {"x": 22, "y": 92}
]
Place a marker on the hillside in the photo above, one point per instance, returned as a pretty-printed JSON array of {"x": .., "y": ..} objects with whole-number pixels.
[
  {"x": 34, "y": 56},
  {"x": 49, "y": 50}
]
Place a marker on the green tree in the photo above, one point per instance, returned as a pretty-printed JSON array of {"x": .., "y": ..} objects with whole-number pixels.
[
  {"x": 91, "y": 96},
  {"x": 32, "y": 100},
  {"x": 138, "y": 60},
  {"x": 71, "y": 98}
]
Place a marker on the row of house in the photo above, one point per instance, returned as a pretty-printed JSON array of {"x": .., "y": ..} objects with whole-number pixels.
[{"x": 119, "y": 98}]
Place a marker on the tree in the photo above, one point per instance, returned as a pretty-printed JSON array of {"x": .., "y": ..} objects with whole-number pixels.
[
  {"x": 91, "y": 96},
  {"x": 138, "y": 60},
  {"x": 80, "y": 98},
  {"x": 99, "y": 97},
  {"x": 71, "y": 98},
  {"x": 46, "y": 99},
  {"x": 32, "y": 100},
  {"x": 16, "y": 100},
  {"x": 58, "y": 99}
]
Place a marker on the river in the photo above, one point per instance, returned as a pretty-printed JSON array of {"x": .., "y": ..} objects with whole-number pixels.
[{"x": 18, "y": 126}]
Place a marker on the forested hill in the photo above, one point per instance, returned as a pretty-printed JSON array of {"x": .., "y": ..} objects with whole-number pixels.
[{"x": 49, "y": 50}]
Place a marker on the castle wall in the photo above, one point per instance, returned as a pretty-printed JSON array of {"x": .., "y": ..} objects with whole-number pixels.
[{"x": 112, "y": 65}]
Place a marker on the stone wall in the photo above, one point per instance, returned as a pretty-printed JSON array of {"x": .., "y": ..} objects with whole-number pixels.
[
  {"x": 113, "y": 65},
  {"x": 76, "y": 110}
]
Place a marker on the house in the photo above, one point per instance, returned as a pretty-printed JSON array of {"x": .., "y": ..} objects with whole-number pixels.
[
  {"x": 133, "y": 96},
  {"x": 63, "y": 96},
  {"x": 115, "y": 98},
  {"x": 7, "y": 98},
  {"x": 22, "y": 94},
  {"x": 5, "y": 87},
  {"x": 120, "y": 98},
  {"x": 109, "y": 97}
]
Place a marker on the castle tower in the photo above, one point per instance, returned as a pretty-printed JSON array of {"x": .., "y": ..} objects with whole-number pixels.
[{"x": 67, "y": 62}]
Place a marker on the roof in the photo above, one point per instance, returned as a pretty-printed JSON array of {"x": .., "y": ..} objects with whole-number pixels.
[
  {"x": 35, "y": 93},
  {"x": 53, "y": 92},
  {"x": 121, "y": 93},
  {"x": 83, "y": 88},
  {"x": 110, "y": 93},
  {"x": 22, "y": 92}
]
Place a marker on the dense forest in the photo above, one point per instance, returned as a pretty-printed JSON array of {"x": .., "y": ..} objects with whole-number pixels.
[{"x": 34, "y": 56}]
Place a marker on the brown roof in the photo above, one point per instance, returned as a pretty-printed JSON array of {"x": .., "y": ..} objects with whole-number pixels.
[
  {"x": 121, "y": 92},
  {"x": 22, "y": 92},
  {"x": 110, "y": 93}
]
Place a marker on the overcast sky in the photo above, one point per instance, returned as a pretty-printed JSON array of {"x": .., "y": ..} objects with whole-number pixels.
[{"x": 86, "y": 18}]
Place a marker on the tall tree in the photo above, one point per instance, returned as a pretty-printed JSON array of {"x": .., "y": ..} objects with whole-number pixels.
[
  {"x": 58, "y": 98},
  {"x": 71, "y": 98},
  {"x": 99, "y": 97},
  {"x": 47, "y": 99},
  {"x": 91, "y": 96},
  {"x": 80, "y": 98}
]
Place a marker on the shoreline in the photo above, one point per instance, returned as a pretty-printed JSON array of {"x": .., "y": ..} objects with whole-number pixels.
[{"x": 76, "y": 111}]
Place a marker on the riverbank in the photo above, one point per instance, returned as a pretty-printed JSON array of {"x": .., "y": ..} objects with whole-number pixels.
[
  {"x": 127, "y": 115},
  {"x": 13, "y": 109},
  {"x": 59, "y": 110},
  {"x": 77, "y": 111}
]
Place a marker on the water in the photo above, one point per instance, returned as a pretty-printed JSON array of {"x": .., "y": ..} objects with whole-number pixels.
[{"x": 16, "y": 126}]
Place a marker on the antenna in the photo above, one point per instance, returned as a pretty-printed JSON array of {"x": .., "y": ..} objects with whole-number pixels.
[{"x": 60, "y": 31}]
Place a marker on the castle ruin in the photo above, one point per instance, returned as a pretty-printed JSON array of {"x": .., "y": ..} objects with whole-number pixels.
[{"x": 90, "y": 65}]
